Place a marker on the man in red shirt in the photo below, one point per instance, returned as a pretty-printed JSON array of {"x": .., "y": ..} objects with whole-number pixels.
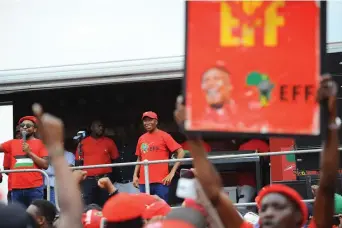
[
  {"x": 156, "y": 144},
  {"x": 29, "y": 153},
  {"x": 96, "y": 149}
]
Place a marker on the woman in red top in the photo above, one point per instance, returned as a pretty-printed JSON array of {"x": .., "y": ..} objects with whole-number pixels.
[{"x": 279, "y": 206}]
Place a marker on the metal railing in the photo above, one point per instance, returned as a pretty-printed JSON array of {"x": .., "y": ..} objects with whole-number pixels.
[
  {"x": 146, "y": 164},
  {"x": 33, "y": 170},
  {"x": 254, "y": 204}
]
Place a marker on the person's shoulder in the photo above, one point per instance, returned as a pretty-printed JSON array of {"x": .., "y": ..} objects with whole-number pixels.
[
  {"x": 12, "y": 141},
  {"x": 34, "y": 141},
  {"x": 163, "y": 133},
  {"x": 105, "y": 138},
  {"x": 143, "y": 135},
  {"x": 86, "y": 139}
]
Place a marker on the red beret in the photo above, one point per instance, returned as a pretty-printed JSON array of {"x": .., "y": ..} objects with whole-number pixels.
[
  {"x": 288, "y": 192},
  {"x": 123, "y": 207},
  {"x": 31, "y": 118},
  {"x": 190, "y": 203},
  {"x": 159, "y": 208},
  {"x": 146, "y": 199},
  {"x": 92, "y": 219},
  {"x": 169, "y": 224}
]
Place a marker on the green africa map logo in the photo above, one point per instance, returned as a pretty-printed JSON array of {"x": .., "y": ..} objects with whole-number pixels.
[
  {"x": 144, "y": 147},
  {"x": 264, "y": 85}
]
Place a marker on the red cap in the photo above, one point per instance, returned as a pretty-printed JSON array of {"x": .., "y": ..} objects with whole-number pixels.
[
  {"x": 190, "y": 203},
  {"x": 159, "y": 208},
  {"x": 150, "y": 114},
  {"x": 287, "y": 191},
  {"x": 123, "y": 207},
  {"x": 92, "y": 219},
  {"x": 169, "y": 224},
  {"x": 31, "y": 118},
  {"x": 146, "y": 199}
]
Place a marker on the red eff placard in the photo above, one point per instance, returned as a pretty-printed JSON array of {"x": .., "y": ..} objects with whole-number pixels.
[{"x": 253, "y": 67}]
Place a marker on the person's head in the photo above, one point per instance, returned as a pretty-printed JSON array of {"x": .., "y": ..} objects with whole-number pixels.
[
  {"x": 92, "y": 218},
  {"x": 97, "y": 128},
  {"x": 124, "y": 210},
  {"x": 15, "y": 216},
  {"x": 190, "y": 203},
  {"x": 217, "y": 86},
  {"x": 281, "y": 206},
  {"x": 43, "y": 211},
  {"x": 157, "y": 209},
  {"x": 92, "y": 206},
  {"x": 150, "y": 121},
  {"x": 28, "y": 124},
  {"x": 188, "y": 215}
]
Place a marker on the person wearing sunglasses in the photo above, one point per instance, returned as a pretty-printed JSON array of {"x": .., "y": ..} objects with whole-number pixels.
[{"x": 27, "y": 152}]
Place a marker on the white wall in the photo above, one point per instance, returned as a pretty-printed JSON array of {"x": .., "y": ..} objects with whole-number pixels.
[
  {"x": 6, "y": 133},
  {"x": 41, "y": 33},
  {"x": 38, "y": 33},
  {"x": 334, "y": 23}
]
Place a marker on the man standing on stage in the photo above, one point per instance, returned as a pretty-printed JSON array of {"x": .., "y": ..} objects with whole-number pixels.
[
  {"x": 26, "y": 153},
  {"x": 96, "y": 149},
  {"x": 156, "y": 144}
]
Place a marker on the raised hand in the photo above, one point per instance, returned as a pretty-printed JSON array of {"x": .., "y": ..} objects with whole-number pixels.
[{"x": 51, "y": 130}]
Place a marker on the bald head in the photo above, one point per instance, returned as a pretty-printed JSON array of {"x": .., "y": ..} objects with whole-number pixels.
[{"x": 216, "y": 86}]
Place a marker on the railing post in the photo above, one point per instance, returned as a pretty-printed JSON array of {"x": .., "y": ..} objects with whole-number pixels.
[
  {"x": 147, "y": 177},
  {"x": 33, "y": 170},
  {"x": 56, "y": 195}
]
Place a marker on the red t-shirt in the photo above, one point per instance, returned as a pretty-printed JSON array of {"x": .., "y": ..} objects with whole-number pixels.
[
  {"x": 20, "y": 160},
  {"x": 246, "y": 178},
  {"x": 96, "y": 152},
  {"x": 155, "y": 146},
  {"x": 206, "y": 146},
  {"x": 7, "y": 165}
]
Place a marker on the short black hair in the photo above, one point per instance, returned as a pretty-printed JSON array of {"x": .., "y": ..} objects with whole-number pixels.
[
  {"x": 92, "y": 206},
  {"x": 46, "y": 209}
]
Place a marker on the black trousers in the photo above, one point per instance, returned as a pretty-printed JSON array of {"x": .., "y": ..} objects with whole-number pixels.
[{"x": 92, "y": 193}]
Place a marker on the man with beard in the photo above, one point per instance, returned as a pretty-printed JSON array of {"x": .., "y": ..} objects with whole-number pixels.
[
  {"x": 26, "y": 153},
  {"x": 279, "y": 206},
  {"x": 96, "y": 149},
  {"x": 156, "y": 144}
]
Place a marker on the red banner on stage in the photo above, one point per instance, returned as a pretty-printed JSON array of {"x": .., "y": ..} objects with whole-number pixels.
[{"x": 253, "y": 67}]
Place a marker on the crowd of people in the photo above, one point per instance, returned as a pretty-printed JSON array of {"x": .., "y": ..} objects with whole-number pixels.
[{"x": 278, "y": 205}]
